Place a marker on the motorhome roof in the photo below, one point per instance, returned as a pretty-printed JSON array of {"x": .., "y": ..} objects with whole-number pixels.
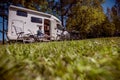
[{"x": 29, "y": 10}]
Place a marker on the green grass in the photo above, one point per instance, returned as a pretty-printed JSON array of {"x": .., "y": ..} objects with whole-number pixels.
[{"x": 92, "y": 59}]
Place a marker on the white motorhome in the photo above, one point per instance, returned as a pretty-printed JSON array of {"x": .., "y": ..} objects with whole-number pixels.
[{"x": 26, "y": 20}]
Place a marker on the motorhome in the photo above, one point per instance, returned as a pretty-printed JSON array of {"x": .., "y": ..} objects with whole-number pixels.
[{"x": 24, "y": 21}]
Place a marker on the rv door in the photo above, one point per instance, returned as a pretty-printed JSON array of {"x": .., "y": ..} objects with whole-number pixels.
[{"x": 53, "y": 30}]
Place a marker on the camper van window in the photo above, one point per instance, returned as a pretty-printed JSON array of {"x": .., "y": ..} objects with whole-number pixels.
[
  {"x": 59, "y": 27},
  {"x": 36, "y": 20},
  {"x": 21, "y": 13}
]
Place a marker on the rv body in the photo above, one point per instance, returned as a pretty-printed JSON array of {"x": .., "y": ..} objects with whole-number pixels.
[{"x": 28, "y": 21}]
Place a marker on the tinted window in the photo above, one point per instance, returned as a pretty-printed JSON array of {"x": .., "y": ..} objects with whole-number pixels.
[
  {"x": 22, "y": 13},
  {"x": 36, "y": 20},
  {"x": 60, "y": 27}
]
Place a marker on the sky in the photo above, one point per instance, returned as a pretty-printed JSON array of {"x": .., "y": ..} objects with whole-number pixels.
[{"x": 108, "y": 3}]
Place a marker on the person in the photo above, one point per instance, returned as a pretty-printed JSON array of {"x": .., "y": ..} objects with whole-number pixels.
[
  {"x": 41, "y": 35},
  {"x": 39, "y": 32}
]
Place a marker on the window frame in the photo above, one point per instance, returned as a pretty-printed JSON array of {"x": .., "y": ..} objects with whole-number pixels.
[
  {"x": 21, "y": 13},
  {"x": 36, "y": 20}
]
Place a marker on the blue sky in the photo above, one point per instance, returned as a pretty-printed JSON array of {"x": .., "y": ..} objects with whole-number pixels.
[{"x": 108, "y": 3}]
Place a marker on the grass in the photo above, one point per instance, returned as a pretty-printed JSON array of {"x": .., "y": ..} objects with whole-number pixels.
[{"x": 92, "y": 59}]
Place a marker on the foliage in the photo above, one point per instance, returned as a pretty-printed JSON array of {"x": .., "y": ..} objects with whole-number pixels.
[
  {"x": 108, "y": 28},
  {"x": 93, "y": 59},
  {"x": 40, "y": 5},
  {"x": 116, "y": 21},
  {"x": 115, "y": 14},
  {"x": 84, "y": 18},
  {"x": 88, "y": 18}
]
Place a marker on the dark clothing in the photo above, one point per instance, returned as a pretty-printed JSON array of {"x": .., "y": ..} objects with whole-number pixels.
[{"x": 39, "y": 33}]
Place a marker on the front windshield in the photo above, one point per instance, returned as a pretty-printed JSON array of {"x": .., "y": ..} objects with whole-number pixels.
[{"x": 60, "y": 27}]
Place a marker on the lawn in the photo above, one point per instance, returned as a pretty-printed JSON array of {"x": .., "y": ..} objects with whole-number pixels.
[{"x": 90, "y": 59}]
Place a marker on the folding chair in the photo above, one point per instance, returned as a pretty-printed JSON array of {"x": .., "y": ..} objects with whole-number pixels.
[
  {"x": 19, "y": 32},
  {"x": 21, "y": 36}
]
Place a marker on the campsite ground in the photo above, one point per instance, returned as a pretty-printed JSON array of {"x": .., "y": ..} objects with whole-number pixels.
[{"x": 91, "y": 59}]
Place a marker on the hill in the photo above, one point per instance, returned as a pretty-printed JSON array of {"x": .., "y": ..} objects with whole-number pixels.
[{"x": 91, "y": 59}]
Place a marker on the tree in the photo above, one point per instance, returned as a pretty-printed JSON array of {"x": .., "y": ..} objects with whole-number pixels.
[
  {"x": 61, "y": 7},
  {"x": 116, "y": 16},
  {"x": 108, "y": 28},
  {"x": 40, "y": 5},
  {"x": 84, "y": 16}
]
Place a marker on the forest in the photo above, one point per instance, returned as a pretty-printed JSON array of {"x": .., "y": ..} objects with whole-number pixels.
[{"x": 82, "y": 18}]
